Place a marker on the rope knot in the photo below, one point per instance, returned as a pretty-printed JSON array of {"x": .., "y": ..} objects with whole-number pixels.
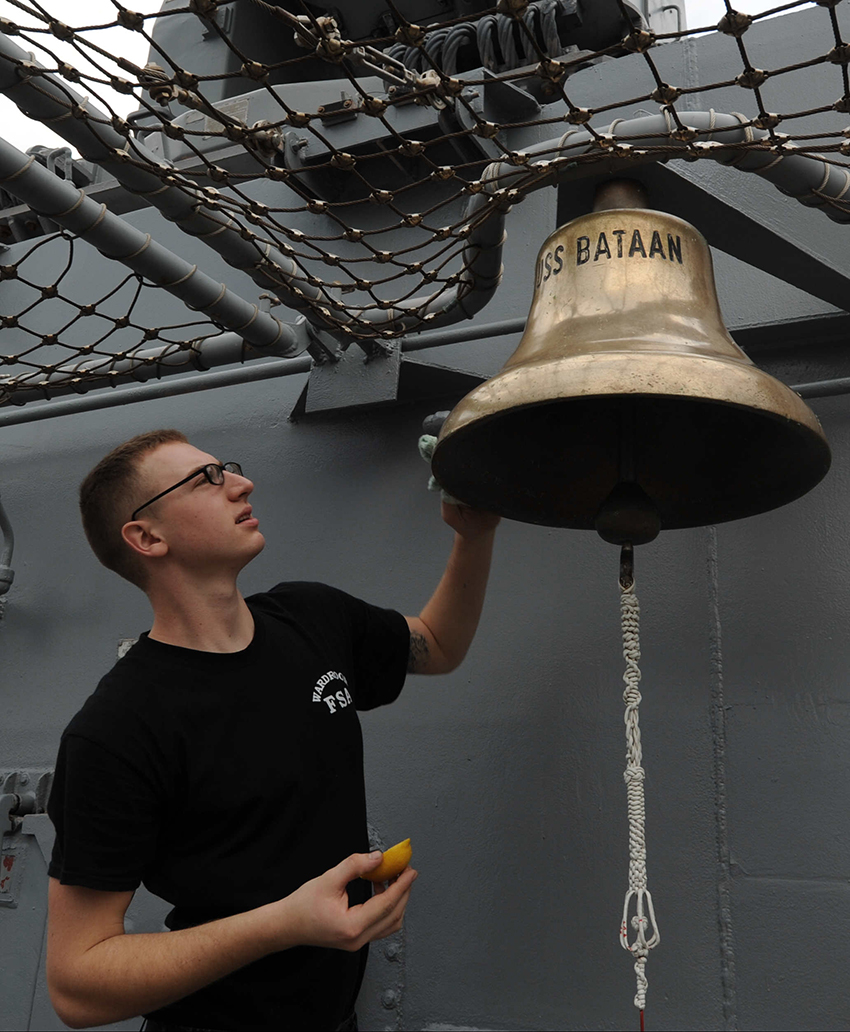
[{"x": 642, "y": 922}]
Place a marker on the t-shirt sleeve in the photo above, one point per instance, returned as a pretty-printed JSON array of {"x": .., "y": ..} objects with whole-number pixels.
[
  {"x": 376, "y": 641},
  {"x": 381, "y": 651},
  {"x": 105, "y": 814},
  {"x": 380, "y": 643}
]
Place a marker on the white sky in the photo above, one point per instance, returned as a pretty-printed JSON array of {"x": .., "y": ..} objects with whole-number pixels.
[{"x": 24, "y": 133}]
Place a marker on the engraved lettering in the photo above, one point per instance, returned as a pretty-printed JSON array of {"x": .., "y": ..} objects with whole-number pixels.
[
  {"x": 619, "y": 233},
  {"x": 637, "y": 245},
  {"x": 675, "y": 249},
  {"x": 559, "y": 261},
  {"x": 547, "y": 261},
  {"x": 656, "y": 247},
  {"x": 602, "y": 247},
  {"x": 582, "y": 250}
]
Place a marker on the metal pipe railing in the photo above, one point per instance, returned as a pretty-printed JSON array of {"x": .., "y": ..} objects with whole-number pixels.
[
  {"x": 151, "y": 392},
  {"x": 150, "y": 364},
  {"x": 61, "y": 201},
  {"x": 725, "y": 138},
  {"x": 824, "y": 388}
]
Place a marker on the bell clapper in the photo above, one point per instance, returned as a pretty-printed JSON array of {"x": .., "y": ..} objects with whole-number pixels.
[{"x": 628, "y": 516}]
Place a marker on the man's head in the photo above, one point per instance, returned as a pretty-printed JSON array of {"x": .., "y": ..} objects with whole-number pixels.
[{"x": 198, "y": 522}]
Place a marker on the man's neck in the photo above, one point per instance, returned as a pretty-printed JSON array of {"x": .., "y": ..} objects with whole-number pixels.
[{"x": 207, "y": 618}]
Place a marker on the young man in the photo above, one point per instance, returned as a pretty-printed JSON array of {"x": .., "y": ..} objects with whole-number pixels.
[{"x": 220, "y": 763}]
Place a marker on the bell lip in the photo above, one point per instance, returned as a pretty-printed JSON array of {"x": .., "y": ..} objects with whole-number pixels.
[
  {"x": 632, "y": 373},
  {"x": 787, "y": 407}
]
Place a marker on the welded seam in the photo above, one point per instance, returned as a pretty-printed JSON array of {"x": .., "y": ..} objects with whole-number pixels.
[
  {"x": 34, "y": 844},
  {"x": 691, "y": 69},
  {"x": 718, "y": 739}
]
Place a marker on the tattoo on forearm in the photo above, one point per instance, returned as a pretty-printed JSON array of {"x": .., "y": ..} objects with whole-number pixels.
[{"x": 418, "y": 651}]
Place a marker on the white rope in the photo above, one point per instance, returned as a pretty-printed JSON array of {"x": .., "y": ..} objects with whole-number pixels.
[{"x": 643, "y": 920}]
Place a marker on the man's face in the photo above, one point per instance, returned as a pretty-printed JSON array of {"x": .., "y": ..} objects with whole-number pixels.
[{"x": 204, "y": 524}]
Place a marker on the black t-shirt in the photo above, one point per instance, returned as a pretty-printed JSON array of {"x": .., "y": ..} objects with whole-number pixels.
[{"x": 224, "y": 781}]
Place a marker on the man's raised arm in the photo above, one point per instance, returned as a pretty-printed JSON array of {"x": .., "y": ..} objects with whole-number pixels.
[{"x": 442, "y": 633}]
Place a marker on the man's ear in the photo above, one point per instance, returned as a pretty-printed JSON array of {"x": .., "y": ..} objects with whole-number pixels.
[{"x": 145, "y": 541}]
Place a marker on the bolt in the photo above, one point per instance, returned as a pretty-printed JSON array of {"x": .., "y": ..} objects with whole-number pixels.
[
  {"x": 23, "y": 778},
  {"x": 392, "y": 951},
  {"x": 389, "y": 999}
]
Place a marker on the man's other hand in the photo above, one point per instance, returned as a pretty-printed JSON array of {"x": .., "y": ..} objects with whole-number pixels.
[
  {"x": 468, "y": 522},
  {"x": 318, "y": 913}
]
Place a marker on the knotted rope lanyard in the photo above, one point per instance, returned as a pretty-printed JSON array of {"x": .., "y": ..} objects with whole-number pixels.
[{"x": 646, "y": 934}]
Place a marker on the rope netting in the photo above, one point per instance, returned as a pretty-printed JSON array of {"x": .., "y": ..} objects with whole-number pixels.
[{"x": 357, "y": 169}]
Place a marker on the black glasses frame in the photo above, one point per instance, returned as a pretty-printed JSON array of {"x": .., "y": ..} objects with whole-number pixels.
[{"x": 212, "y": 471}]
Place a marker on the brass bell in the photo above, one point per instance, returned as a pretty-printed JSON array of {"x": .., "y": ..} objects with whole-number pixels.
[{"x": 627, "y": 407}]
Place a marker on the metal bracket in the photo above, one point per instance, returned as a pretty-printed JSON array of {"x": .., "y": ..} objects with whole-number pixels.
[
  {"x": 384, "y": 379},
  {"x": 13, "y": 805},
  {"x": 40, "y": 826},
  {"x": 353, "y": 381},
  {"x": 504, "y": 102},
  {"x": 341, "y": 110}
]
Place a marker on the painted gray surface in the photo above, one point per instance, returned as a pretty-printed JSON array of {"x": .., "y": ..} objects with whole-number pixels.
[{"x": 508, "y": 773}]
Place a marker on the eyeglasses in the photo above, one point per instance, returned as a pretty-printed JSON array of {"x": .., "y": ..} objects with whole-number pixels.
[{"x": 213, "y": 472}]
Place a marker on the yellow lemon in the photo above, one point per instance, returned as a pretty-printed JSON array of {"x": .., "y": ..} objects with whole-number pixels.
[{"x": 396, "y": 858}]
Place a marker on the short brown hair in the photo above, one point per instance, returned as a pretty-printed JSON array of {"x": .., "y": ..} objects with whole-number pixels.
[{"x": 108, "y": 495}]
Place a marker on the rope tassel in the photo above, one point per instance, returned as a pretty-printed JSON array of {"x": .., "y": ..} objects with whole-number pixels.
[{"x": 646, "y": 934}]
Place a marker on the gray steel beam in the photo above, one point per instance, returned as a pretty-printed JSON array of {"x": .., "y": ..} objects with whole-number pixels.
[{"x": 749, "y": 235}]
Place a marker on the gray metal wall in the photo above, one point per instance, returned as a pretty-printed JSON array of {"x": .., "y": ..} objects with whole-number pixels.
[{"x": 507, "y": 774}]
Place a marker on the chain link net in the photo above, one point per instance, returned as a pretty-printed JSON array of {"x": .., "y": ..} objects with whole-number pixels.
[{"x": 358, "y": 158}]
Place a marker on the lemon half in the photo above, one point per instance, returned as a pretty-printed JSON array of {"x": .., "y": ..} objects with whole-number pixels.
[{"x": 396, "y": 858}]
